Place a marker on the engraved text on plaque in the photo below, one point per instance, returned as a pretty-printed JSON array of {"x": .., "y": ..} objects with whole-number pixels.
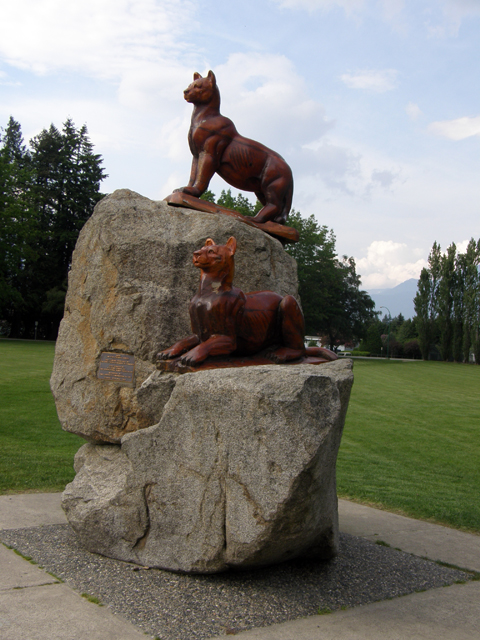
[{"x": 116, "y": 367}]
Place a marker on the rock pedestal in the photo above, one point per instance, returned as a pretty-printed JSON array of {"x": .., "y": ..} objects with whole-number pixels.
[
  {"x": 239, "y": 472},
  {"x": 196, "y": 472}
]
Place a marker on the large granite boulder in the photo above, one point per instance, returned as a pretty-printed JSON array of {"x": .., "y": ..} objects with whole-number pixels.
[
  {"x": 129, "y": 289},
  {"x": 238, "y": 472}
]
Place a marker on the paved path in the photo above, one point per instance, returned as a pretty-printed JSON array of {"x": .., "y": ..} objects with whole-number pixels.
[{"x": 35, "y": 606}]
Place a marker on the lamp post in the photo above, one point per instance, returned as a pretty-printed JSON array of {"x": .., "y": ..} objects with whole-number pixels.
[{"x": 389, "y": 321}]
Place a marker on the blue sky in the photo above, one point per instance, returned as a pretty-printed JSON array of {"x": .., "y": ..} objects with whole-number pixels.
[{"x": 374, "y": 103}]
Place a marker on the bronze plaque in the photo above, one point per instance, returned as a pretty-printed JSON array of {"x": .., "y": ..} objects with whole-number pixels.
[{"x": 116, "y": 367}]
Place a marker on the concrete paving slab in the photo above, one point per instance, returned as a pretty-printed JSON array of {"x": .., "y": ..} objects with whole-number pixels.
[
  {"x": 16, "y": 573},
  {"x": 413, "y": 536},
  {"x": 30, "y": 510},
  {"x": 439, "y": 614},
  {"x": 55, "y": 612}
]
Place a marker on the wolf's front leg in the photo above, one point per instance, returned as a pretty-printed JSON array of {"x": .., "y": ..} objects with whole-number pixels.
[
  {"x": 178, "y": 348},
  {"x": 190, "y": 189},
  {"x": 204, "y": 169},
  {"x": 193, "y": 172}
]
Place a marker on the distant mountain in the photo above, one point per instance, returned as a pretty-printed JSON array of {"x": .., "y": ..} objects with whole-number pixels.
[{"x": 399, "y": 299}]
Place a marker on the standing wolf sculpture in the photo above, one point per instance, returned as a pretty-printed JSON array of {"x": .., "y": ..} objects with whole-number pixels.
[
  {"x": 217, "y": 147},
  {"x": 225, "y": 321}
]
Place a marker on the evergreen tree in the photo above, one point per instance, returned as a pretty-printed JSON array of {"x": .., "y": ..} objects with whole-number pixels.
[
  {"x": 318, "y": 276},
  {"x": 67, "y": 187},
  {"x": 329, "y": 288},
  {"x": 208, "y": 196},
  {"x": 422, "y": 307},
  {"x": 445, "y": 297},
  {"x": 471, "y": 338},
  {"x": 17, "y": 220},
  {"x": 448, "y": 303},
  {"x": 239, "y": 203},
  {"x": 458, "y": 307},
  {"x": 435, "y": 272},
  {"x": 46, "y": 195},
  {"x": 357, "y": 308},
  {"x": 372, "y": 343},
  {"x": 68, "y": 176},
  {"x": 426, "y": 301},
  {"x": 407, "y": 331}
]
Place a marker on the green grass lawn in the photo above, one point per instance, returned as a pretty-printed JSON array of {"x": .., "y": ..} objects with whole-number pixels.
[
  {"x": 412, "y": 440},
  {"x": 35, "y": 454}
]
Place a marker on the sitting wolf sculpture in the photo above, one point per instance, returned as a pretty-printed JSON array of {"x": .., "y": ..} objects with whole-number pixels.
[
  {"x": 226, "y": 321},
  {"x": 217, "y": 147}
]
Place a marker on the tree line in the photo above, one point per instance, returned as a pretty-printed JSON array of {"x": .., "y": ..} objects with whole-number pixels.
[
  {"x": 447, "y": 303},
  {"x": 447, "y": 306},
  {"x": 47, "y": 192},
  {"x": 395, "y": 337}
]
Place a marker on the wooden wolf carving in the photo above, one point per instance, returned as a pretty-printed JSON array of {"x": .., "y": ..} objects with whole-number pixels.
[
  {"x": 226, "y": 321},
  {"x": 217, "y": 147}
]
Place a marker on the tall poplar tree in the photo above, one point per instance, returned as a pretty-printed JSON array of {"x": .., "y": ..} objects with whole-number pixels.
[
  {"x": 445, "y": 297},
  {"x": 447, "y": 303},
  {"x": 458, "y": 307},
  {"x": 471, "y": 320},
  {"x": 426, "y": 301},
  {"x": 422, "y": 309}
]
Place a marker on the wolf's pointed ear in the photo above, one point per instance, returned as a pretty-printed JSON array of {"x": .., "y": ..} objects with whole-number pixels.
[
  {"x": 196, "y": 75},
  {"x": 208, "y": 242},
  {"x": 211, "y": 76},
  {"x": 232, "y": 245}
]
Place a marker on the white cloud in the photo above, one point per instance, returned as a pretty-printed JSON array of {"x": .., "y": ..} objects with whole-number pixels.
[
  {"x": 332, "y": 168},
  {"x": 378, "y": 81},
  {"x": 154, "y": 87},
  {"x": 349, "y": 6},
  {"x": 277, "y": 108},
  {"x": 466, "y": 6},
  {"x": 440, "y": 17},
  {"x": 135, "y": 50},
  {"x": 384, "y": 178},
  {"x": 452, "y": 13},
  {"x": 6, "y": 82},
  {"x": 100, "y": 38},
  {"x": 458, "y": 129},
  {"x": 462, "y": 246},
  {"x": 462, "y": 8},
  {"x": 413, "y": 111},
  {"x": 392, "y": 8},
  {"x": 389, "y": 263},
  {"x": 334, "y": 165}
]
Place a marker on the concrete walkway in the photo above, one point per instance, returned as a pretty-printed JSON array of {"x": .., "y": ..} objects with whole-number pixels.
[{"x": 35, "y": 606}]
